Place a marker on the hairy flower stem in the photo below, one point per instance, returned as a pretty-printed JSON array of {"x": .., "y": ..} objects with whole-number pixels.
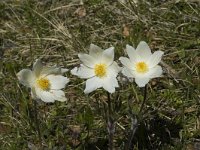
[
  {"x": 37, "y": 123},
  {"x": 135, "y": 121},
  {"x": 110, "y": 123},
  {"x": 144, "y": 99},
  {"x": 134, "y": 125}
]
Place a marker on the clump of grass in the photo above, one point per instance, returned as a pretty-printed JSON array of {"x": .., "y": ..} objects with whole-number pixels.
[{"x": 57, "y": 30}]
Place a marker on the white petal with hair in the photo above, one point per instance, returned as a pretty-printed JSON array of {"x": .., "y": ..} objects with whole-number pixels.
[
  {"x": 99, "y": 68},
  {"x": 45, "y": 82},
  {"x": 155, "y": 58},
  {"x": 92, "y": 84},
  {"x": 108, "y": 56},
  {"x": 57, "y": 81},
  {"x": 83, "y": 72},
  {"x": 95, "y": 51},
  {"x": 143, "y": 50},
  {"x": 26, "y": 77},
  {"x": 141, "y": 64},
  {"x": 87, "y": 60},
  {"x": 126, "y": 62}
]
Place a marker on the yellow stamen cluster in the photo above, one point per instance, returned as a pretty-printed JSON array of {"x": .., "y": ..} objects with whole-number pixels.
[
  {"x": 44, "y": 84},
  {"x": 142, "y": 67},
  {"x": 100, "y": 70}
]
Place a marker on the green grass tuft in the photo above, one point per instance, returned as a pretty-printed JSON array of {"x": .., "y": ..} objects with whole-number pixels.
[{"x": 57, "y": 31}]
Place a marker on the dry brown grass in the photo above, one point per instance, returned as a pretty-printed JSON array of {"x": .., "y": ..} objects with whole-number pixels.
[{"x": 57, "y": 31}]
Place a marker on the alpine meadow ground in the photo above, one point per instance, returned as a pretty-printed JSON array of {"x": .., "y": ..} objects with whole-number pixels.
[{"x": 56, "y": 31}]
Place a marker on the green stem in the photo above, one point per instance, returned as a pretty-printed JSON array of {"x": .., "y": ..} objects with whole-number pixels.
[
  {"x": 110, "y": 123},
  {"x": 134, "y": 125},
  {"x": 135, "y": 121},
  {"x": 144, "y": 99},
  {"x": 37, "y": 123}
]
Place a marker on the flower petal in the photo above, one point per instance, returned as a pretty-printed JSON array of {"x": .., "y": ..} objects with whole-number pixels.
[
  {"x": 63, "y": 70},
  {"x": 152, "y": 73},
  {"x": 108, "y": 56},
  {"x": 143, "y": 50},
  {"x": 115, "y": 82},
  {"x": 26, "y": 77},
  {"x": 127, "y": 72},
  {"x": 57, "y": 81},
  {"x": 53, "y": 70},
  {"x": 114, "y": 69},
  {"x": 92, "y": 84},
  {"x": 126, "y": 62},
  {"x": 110, "y": 83},
  {"x": 45, "y": 96},
  {"x": 141, "y": 82},
  {"x": 132, "y": 54},
  {"x": 87, "y": 60},
  {"x": 95, "y": 51},
  {"x": 155, "y": 72},
  {"x": 37, "y": 67},
  {"x": 83, "y": 72},
  {"x": 33, "y": 93},
  {"x": 50, "y": 96},
  {"x": 59, "y": 95},
  {"x": 155, "y": 58}
]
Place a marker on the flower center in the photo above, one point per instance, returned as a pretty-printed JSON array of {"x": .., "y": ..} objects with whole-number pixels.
[
  {"x": 141, "y": 67},
  {"x": 100, "y": 70},
  {"x": 43, "y": 83}
]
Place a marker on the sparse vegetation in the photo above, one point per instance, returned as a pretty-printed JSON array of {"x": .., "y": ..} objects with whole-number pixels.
[{"x": 56, "y": 31}]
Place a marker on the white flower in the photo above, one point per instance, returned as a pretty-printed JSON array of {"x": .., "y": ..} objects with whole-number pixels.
[
  {"x": 141, "y": 64},
  {"x": 45, "y": 82},
  {"x": 99, "y": 68}
]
